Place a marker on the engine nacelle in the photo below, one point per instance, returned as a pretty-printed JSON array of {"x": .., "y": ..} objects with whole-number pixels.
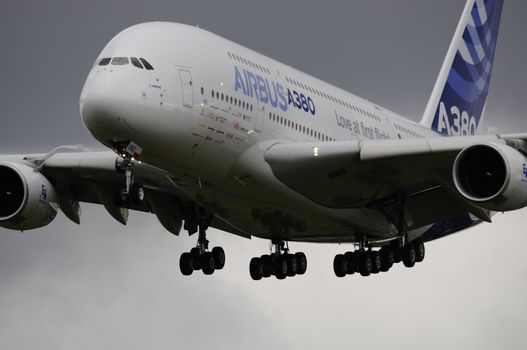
[
  {"x": 493, "y": 176},
  {"x": 27, "y": 199}
]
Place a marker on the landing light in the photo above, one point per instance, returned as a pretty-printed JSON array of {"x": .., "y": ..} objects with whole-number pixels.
[{"x": 315, "y": 151}]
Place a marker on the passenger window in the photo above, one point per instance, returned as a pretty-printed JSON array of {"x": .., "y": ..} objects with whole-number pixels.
[
  {"x": 120, "y": 61},
  {"x": 105, "y": 61},
  {"x": 136, "y": 62},
  {"x": 202, "y": 91},
  {"x": 147, "y": 65}
]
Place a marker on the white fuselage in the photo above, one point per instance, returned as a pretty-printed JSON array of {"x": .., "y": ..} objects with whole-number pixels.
[{"x": 210, "y": 106}]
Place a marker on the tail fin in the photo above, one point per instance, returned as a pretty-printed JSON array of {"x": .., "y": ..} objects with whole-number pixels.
[{"x": 458, "y": 100}]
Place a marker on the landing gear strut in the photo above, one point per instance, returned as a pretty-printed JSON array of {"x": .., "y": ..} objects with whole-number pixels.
[
  {"x": 199, "y": 257},
  {"x": 132, "y": 191},
  {"x": 280, "y": 263}
]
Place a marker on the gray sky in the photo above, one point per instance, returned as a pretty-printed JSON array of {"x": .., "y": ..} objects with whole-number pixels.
[{"x": 102, "y": 285}]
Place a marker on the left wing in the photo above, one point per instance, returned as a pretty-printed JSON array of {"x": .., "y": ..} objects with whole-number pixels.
[{"x": 380, "y": 173}]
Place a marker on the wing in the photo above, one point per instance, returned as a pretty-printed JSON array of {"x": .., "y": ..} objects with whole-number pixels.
[
  {"x": 93, "y": 177},
  {"x": 376, "y": 173}
]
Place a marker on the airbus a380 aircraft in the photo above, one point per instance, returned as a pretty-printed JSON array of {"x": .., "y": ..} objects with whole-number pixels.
[{"x": 207, "y": 133}]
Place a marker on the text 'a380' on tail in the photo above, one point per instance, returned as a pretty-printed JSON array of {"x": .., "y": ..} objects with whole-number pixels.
[{"x": 458, "y": 99}]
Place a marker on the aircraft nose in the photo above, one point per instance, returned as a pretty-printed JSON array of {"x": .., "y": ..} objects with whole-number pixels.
[{"x": 103, "y": 104}]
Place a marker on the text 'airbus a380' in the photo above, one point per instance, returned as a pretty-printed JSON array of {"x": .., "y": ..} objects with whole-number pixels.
[{"x": 237, "y": 141}]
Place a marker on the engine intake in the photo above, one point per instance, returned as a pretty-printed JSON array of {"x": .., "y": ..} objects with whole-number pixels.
[
  {"x": 12, "y": 192},
  {"x": 27, "y": 198},
  {"x": 492, "y": 176}
]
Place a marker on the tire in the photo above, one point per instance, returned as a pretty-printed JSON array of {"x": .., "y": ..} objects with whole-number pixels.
[
  {"x": 419, "y": 247},
  {"x": 280, "y": 267},
  {"x": 409, "y": 256},
  {"x": 137, "y": 194},
  {"x": 351, "y": 258},
  {"x": 340, "y": 265},
  {"x": 365, "y": 264},
  {"x": 219, "y": 257},
  {"x": 255, "y": 269},
  {"x": 375, "y": 262},
  {"x": 387, "y": 258},
  {"x": 207, "y": 263},
  {"x": 196, "y": 258},
  {"x": 291, "y": 265},
  {"x": 397, "y": 253},
  {"x": 301, "y": 262},
  {"x": 267, "y": 265},
  {"x": 185, "y": 264}
]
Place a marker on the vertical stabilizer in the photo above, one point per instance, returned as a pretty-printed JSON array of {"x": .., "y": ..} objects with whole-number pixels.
[{"x": 458, "y": 100}]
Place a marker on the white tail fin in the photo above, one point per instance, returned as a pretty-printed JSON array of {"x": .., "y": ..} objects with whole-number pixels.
[{"x": 458, "y": 100}]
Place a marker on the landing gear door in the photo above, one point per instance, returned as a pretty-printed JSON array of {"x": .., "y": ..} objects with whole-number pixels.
[{"x": 186, "y": 88}]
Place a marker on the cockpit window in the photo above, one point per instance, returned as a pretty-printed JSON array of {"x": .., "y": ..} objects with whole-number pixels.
[
  {"x": 136, "y": 62},
  {"x": 146, "y": 64},
  {"x": 104, "y": 61},
  {"x": 120, "y": 61}
]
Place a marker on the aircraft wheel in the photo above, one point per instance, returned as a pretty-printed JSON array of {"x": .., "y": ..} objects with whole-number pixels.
[
  {"x": 375, "y": 262},
  {"x": 409, "y": 256},
  {"x": 280, "y": 267},
  {"x": 207, "y": 263},
  {"x": 256, "y": 269},
  {"x": 419, "y": 251},
  {"x": 185, "y": 264},
  {"x": 267, "y": 265},
  {"x": 196, "y": 258},
  {"x": 291, "y": 265},
  {"x": 137, "y": 194},
  {"x": 340, "y": 265},
  {"x": 365, "y": 264},
  {"x": 352, "y": 264},
  {"x": 301, "y": 262},
  {"x": 387, "y": 258},
  {"x": 219, "y": 257}
]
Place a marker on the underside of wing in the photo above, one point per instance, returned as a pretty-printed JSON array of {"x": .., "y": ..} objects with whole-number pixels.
[
  {"x": 95, "y": 177},
  {"x": 384, "y": 174}
]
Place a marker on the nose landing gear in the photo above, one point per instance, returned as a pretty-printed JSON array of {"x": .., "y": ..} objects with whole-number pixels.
[{"x": 132, "y": 191}]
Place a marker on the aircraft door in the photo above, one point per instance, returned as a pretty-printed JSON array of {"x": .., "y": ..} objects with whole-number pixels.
[
  {"x": 259, "y": 117},
  {"x": 186, "y": 88}
]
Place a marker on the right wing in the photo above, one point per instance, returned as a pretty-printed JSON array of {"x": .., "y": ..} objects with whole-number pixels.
[{"x": 93, "y": 177}]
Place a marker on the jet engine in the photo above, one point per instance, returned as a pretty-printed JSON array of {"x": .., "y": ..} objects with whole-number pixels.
[
  {"x": 493, "y": 176},
  {"x": 27, "y": 199}
]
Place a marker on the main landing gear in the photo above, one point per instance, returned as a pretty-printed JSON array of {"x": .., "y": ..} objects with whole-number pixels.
[
  {"x": 279, "y": 263},
  {"x": 199, "y": 257},
  {"x": 367, "y": 262}
]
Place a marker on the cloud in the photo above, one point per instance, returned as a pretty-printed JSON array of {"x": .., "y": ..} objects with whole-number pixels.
[{"x": 101, "y": 285}]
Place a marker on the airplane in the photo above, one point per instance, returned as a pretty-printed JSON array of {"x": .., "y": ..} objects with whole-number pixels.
[{"x": 203, "y": 132}]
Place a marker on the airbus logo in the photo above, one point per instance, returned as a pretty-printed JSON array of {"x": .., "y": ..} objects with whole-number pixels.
[{"x": 270, "y": 92}]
